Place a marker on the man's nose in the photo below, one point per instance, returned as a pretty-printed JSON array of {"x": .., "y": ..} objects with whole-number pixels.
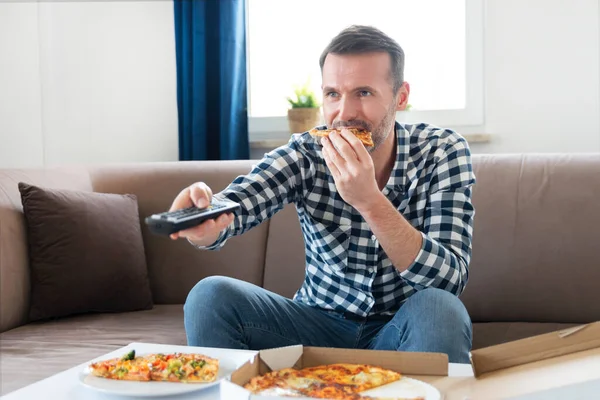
[{"x": 347, "y": 109}]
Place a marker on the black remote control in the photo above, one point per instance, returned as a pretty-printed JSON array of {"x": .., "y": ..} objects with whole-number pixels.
[{"x": 174, "y": 221}]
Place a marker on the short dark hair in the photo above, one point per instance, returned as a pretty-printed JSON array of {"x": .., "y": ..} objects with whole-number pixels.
[{"x": 357, "y": 39}]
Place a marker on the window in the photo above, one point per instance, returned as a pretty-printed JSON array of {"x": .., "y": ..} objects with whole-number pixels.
[{"x": 442, "y": 41}]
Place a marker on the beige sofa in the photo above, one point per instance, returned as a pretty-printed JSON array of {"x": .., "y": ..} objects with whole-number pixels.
[{"x": 535, "y": 265}]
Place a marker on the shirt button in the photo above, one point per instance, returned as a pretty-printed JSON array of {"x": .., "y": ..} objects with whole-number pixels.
[
  {"x": 373, "y": 237},
  {"x": 386, "y": 191},
  {"x": 371, "y": 270}
]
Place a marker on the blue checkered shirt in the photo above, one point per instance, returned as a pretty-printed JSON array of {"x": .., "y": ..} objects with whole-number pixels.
[{"x": 347, "y": 270}]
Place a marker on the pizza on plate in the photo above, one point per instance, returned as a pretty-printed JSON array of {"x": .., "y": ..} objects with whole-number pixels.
[
  {"x": 174, "y": 367},
  {"x": 340, "y": 381},
  {"x": 364, "y": 136}
]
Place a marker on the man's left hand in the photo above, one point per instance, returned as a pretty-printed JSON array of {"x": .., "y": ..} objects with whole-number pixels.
[{"x": 351, "y": 167}]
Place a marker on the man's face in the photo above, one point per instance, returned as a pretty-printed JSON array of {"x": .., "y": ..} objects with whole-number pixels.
[{"x": 358, "y": 93}]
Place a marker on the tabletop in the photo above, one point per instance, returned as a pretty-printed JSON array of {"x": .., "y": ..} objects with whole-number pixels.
[{"x": 68, "y": 384}]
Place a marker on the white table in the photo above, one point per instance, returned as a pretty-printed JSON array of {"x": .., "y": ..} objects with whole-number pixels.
[{"x": 66, "y": 384}]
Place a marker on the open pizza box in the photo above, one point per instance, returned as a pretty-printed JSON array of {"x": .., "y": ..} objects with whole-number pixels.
[
  {"x": 407, "y": 363},
  {"x": 547, "y": 366}
]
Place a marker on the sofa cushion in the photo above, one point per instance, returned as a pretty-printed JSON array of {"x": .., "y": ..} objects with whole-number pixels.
[
  {"x": 40, "y": 349},
  {"x": 535, "y": 239},
  {"x": 86, "y": 253},
  {"x": 174, "y": 266}
]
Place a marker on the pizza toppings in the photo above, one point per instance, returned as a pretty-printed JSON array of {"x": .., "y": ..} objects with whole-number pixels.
[
  {"x": 129, "y": 356},
  {"x": 333, "y": 381},
  {"x": 175, "y": 367}
]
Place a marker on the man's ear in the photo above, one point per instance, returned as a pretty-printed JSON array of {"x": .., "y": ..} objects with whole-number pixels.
[{"x": 402, "y": 96}]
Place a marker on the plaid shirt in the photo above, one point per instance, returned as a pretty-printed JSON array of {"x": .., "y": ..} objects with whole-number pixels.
[{"x": 346, "y": 268}]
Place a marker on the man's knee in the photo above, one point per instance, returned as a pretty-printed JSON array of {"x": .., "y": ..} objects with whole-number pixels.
[
  {"x": 432, "y": 301},
  {"x": 210, "y": 293},
  {"x": 210, "y": 315},
  {"x": 442, "y": 322}
]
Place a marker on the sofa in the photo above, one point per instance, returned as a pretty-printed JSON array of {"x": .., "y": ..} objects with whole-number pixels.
[{"x": 535, "y": 266}]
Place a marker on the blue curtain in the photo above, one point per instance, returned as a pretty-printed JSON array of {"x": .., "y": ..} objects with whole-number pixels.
[{"x": 210, "y": 37}]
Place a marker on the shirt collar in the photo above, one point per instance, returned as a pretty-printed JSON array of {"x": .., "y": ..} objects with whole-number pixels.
[{"x": 398, "y": 174}]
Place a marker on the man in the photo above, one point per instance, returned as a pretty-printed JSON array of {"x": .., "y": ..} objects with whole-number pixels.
[{"x": 387, "y": 229}]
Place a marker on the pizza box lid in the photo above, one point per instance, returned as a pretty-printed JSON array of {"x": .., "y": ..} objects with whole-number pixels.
[
  {"x": 576, "y": 374},
  {"x": 535, "y": 348},
  {"x": 540, "y": 367}
]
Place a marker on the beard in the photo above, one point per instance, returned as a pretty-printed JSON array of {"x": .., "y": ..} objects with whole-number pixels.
[{"x": 379, "y": 133}]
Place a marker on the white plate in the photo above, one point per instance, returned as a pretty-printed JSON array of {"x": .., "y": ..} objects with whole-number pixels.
[
  {"x": 152, "y": 388},
  {"x": 405, "y": 388}
]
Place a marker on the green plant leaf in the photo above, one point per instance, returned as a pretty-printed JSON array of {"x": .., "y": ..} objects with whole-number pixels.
[{"x": 304, "y": 97}]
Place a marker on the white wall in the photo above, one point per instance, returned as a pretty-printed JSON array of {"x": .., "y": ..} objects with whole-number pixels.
[
  {"x": 87, "y": 82},
  {"x": 95, "y": 82},
  {"x": 20, "y": 86},
  {"x": 542, "y": 74}
]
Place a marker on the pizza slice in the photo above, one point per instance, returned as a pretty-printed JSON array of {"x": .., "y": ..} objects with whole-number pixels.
[
  {"x": 129, "y": 367},
  {"x": 175, "y": 367},
  {"x": 363, "y": 135},
  {"x": 284, "y": 382},
  {"x": 359, "y": 377},
  {"x": 182, "y": 367}
]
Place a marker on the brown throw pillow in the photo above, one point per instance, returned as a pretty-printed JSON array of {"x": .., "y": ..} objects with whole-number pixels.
[{"x": 86, "y": 253}]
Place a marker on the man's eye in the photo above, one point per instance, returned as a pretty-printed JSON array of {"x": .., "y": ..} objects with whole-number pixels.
[
  {"x": 332, "y": 94},
  {"x": 364, "y": 93}
]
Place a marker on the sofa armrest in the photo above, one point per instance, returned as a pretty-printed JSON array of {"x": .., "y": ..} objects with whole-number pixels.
[{"x": 14, "y": 261}]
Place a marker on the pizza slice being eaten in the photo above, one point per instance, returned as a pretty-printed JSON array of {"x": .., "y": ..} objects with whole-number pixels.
[{"x": 362, "y": 134}]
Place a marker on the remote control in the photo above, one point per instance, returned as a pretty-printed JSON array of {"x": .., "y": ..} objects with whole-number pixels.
[{"x": 174, "y": 221}]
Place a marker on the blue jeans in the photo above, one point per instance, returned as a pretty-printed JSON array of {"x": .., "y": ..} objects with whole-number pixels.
[{"x": 229, "y": 313}]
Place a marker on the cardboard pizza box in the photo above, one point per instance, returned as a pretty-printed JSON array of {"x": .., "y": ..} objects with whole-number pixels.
[
  {"x": 545, "y": 366},
  {"x": 407, "y": 363},
  {"x": 540, "y": 367},
  {"x": 536, "y": 348}
]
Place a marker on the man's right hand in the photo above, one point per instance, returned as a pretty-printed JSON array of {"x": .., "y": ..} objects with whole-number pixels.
[{"x": 200, "y": 195}]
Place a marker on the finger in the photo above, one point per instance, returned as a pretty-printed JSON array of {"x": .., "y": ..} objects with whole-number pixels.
[
  {"x": 332, "y": 153},
  {"x": 182, "y": 200},
  {"x": 206, "y": 228},
  {"x": 201, "y": 194},
  {"x": 199, "y": 231},
  {"x": 224, "y": 220},
  {"x": 343, "y": 146},
  {"x": 335, "y": 171},
  {"x": 355, "y": 143}
]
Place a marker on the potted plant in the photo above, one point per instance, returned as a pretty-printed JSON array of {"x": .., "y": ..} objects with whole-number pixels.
[{"x": 305, "y": 111}]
